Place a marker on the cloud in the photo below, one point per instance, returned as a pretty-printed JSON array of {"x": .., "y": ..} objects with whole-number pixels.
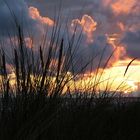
[
  {"x": 105, "y": 23},
  {"x": 28, "y": 17},
  {"x": 20, "y": 10},
  {"x": 35, "y": 15},
  {"x": 101, "y": 49},
  {"x": 123, "y": 6},
  {"x": 132, "y": 43},
  {"x": 121, "y": 26},
  {"x": 103, "y": 11},
  {"x": 88, "y": 26}
]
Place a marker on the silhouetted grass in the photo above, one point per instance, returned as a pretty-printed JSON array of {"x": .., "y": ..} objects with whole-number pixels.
[
  {"x": 37, "y": 117},
  {"x": 36, "y": 106}
]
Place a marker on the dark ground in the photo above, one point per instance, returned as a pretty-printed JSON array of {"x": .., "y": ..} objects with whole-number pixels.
[{"x": 38, "y": 118}]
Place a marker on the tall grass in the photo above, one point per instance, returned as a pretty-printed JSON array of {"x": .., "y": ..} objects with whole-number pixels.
[{"x": 38, "y": 104}]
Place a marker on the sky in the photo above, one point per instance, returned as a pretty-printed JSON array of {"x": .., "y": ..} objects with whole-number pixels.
[{"x": 106, "y": 25}]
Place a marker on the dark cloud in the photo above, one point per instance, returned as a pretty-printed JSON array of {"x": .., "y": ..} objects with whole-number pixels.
[
  {"x": 75, "y": 9},
  {"x": 99, "y": 52},
  {"x": 69, "y": 8},
  {"x": 23, "y": 15},
  {"x": 34, "y": 15},
  {"x": 19, "y": 8},
  {"x": 132, "y": 44}
]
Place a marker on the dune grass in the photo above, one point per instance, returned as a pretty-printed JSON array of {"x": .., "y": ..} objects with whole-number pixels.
[{"x": 36, "y": 107}]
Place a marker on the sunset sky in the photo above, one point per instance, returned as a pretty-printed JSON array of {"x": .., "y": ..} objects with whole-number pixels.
[{"x": 105, "y": 24}]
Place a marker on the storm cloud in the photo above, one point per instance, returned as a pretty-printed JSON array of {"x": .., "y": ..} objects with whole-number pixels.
[
  {"x": 132, "y": 44},
  {"x": 106, "y": 24}
]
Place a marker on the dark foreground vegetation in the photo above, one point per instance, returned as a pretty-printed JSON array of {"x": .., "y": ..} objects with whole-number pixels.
[
  {"x": 35, "y": 106},
  {"x": 35, "y": 117}
]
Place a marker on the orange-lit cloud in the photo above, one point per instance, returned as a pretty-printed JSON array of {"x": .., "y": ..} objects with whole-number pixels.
[
  {"x": 34, "y": 14},
  {"x": 123, "y": 6},
  {"x": 126, "y": 61},
  {"x": 121, "y": 26},
  {"x": 88, "y": 26},
  {"x": 120, "y": 51}
]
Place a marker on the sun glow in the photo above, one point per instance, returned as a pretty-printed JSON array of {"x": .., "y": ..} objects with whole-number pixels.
[
  {"x": 133, "y": 85},
  {"x": 113, "y": 78}
]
